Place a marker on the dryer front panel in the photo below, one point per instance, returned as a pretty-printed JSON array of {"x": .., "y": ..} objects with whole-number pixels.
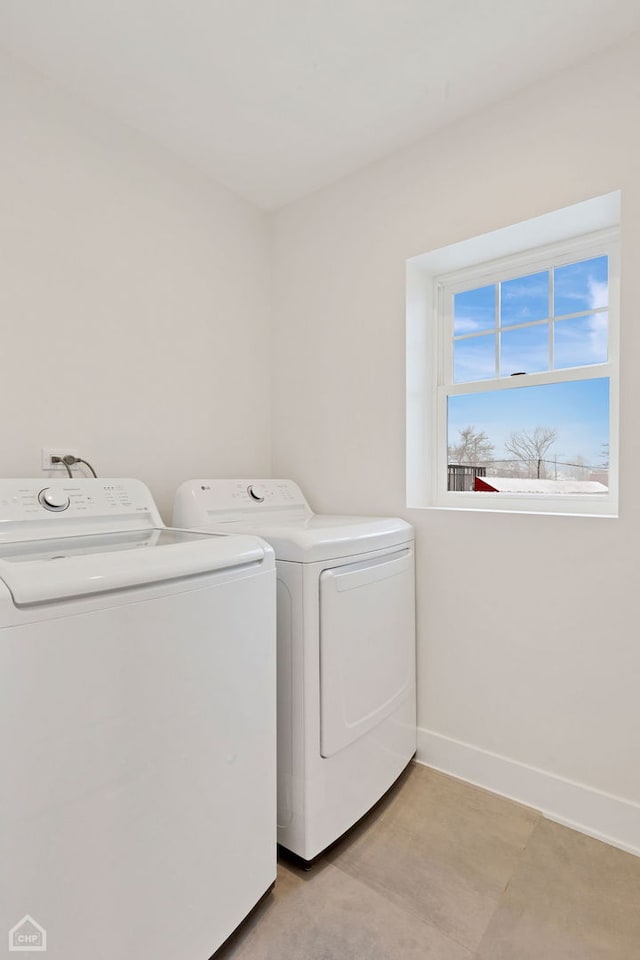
[{"x": 367, "y": 645}]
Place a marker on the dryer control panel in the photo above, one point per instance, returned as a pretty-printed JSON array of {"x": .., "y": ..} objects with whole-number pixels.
[{"x": 235, "y": 498}]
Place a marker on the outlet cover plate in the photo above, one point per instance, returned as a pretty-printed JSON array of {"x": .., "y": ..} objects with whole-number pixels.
[{"x": 59, "y": 451}]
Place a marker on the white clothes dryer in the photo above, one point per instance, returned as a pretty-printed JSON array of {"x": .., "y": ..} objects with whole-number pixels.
[
  {"x": 346, "y": 650},
  {"x": 137, "y": 725}
]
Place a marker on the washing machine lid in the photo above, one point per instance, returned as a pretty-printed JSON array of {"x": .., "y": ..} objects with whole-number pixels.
[
  {"x": 277, "y": 511},
  {"x": 44, "y": 570},
  {"x": 94, "y": 540}
]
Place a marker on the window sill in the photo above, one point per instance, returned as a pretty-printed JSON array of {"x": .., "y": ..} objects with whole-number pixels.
[{"x": 536, "y": 506}]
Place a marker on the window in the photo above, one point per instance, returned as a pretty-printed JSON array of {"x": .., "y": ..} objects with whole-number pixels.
[{"x": 520, "y": 381}]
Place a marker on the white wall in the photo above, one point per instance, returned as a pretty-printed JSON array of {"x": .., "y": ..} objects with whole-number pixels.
[
  {"x": 528, "y": 649},
  {"x": 134, "y": 297},
  {"x": 134, "y": 301}
]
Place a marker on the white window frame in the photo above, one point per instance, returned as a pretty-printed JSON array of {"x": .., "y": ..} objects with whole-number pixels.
[{"x": 440, "y": 345}]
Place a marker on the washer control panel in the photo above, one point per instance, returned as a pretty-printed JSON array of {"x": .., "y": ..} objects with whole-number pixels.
[{"x": 51, "y": 499}]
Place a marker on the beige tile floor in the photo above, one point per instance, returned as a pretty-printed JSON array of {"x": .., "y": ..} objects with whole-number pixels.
[{"x": 444, "y": 871}]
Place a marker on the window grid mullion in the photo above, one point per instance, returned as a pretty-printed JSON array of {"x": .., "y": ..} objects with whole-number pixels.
[
  {"x": 551, "y": 320},
  {"x": 498, "y": 303},
  {"x": 580, "y": 314}
]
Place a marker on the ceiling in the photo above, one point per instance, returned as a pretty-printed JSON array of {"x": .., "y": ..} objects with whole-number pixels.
[{"x": 276, "y": 98}]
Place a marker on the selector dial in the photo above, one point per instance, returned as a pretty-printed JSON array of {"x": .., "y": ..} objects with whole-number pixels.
[
  {"x": 256, "y": 492},
  {"x": 53, "y": 499}
]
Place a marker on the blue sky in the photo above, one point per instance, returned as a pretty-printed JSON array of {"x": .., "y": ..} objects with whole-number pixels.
[
  {"x": 578, "y": 410},
  {"x": 577, "y": 287}
]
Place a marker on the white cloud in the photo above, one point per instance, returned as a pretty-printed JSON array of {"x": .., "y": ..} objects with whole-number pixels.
[
  {"x": 598, "y": 293},
  {"x": 468, "y": 325},
  {"x": 599, "y": 335}
]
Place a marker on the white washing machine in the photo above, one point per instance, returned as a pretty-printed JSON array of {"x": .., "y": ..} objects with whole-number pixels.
[
  {"x": 137, "y": 725},
  {"x": 346, "y": 650}
]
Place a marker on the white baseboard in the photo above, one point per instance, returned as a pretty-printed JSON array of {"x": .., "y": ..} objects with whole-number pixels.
[{"x": 600, "y": 815}]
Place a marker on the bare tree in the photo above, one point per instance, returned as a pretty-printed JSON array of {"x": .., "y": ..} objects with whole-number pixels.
[
  {"x": 531, "y": 446},
  {"x": 473, "y": 447},
  {"x": 579, "y": 467}
]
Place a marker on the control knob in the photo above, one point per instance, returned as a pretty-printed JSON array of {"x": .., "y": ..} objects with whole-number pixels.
[
  {"x": 256, "y": 492},
  {"x": 53, "y": 499}
]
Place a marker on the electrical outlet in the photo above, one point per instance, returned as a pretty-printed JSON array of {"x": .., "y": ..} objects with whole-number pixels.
[{"x": 49, "y": 452}]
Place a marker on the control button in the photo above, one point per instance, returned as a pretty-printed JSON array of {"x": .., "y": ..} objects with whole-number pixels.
[
  {"x": 256, "y": 492},
  {"x": 52, "y": 499}
]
